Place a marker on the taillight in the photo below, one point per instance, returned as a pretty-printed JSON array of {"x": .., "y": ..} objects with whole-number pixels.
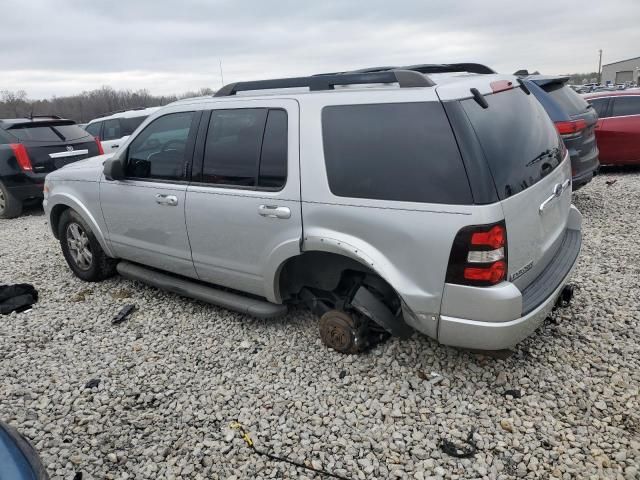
[
  {"x": 100, "y": 149},
  {"x": 479, "y": 256},
  {"x": 22, "y": 156},
  {"x": 571, "y": 128}
]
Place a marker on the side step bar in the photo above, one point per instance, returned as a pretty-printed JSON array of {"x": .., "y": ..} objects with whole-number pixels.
[{"x": 232, "y": 301}]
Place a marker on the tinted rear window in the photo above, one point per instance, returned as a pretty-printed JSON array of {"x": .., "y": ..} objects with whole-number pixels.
[
  {"x": 569, "y": 100},
  {"x": 626, "y": 106},
  {"x": 519, "y": 140},
  {"x": 71, "y": 132},
  {"x": 600, "y": 105},
  {"x": 36, "y": 134},
  {"x": 4, "y": 137},
  {"x": 393, "y": 151},
  {"x": 56, "y": 133}
]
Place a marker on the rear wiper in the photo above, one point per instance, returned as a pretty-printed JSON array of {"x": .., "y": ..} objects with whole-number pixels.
[
  {"x": 544, "y": 154},
  {"x": 480, "y": 100}
]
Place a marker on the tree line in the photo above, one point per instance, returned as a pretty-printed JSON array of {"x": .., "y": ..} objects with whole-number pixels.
[{"x": 86, "y": 105}]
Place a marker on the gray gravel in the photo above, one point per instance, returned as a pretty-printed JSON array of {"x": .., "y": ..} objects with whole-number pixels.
[{"x": 177, "y": 373}]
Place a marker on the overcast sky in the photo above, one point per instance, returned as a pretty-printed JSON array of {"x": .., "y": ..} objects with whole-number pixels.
[{"x": 60, "y": 47}]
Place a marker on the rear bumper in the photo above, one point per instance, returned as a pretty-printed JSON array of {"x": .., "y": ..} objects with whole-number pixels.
[
  {"x": 26, "y": 186},
  {"x": 499, "y": 317},
  {"x": 584, "y": 168}
]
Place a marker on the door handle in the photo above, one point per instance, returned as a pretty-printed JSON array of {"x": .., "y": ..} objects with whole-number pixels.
[
  {"x": 558, "y": 189},
  {"x": 168, "y": 200},
  {"x": 273, "y": 211},
  {"x": 115, "y": 146}
]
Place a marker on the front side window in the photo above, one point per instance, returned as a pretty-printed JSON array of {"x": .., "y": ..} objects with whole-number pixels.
[
  {"x": 159, "y": 151},
  {"x": 111, "y": 129},
  {"x": 393, "y": 151},
  {"x": 246, "y": 148},
  {"x": 4, "y": 138},
  {"x": 94, "y": 129},
  {"x": 626, "y": 106}
]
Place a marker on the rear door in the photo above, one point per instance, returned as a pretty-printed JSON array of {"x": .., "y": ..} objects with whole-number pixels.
[
  {"x": 243, "y": 209},
  {"x": 111, "y": 135},
  {"x": 532, "y": 175},
  {"x": 144, "y": 212},
  {"x": 52, "y": 145}
]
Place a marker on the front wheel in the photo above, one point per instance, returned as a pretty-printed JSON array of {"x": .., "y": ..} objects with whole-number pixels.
[{"x": 81, "y": 249}]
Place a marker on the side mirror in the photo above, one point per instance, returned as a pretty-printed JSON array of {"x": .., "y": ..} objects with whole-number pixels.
[{"x": 114, "y": 168}]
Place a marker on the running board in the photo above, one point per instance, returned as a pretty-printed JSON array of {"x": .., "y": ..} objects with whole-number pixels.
[{"x": 232, "y": 301}]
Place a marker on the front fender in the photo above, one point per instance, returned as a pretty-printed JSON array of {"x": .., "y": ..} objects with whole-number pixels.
[{"x": 70, "y": 200}]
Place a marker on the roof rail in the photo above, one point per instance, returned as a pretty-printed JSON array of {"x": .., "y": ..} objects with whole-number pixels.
[
  {"x": 433, "y": 68},
  {"x": 405, "y": 78}
]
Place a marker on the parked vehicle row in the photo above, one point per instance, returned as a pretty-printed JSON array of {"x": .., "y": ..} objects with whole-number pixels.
[
  {"x": 112, "y": 130},
  {"x": 434, "y": 198}
]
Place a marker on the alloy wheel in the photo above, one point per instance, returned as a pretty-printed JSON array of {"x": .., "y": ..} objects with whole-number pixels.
[{"x": 79, "y": 246}]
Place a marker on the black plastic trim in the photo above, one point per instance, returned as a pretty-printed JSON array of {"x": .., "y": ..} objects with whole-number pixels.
[{"x": 551, "y": 277}]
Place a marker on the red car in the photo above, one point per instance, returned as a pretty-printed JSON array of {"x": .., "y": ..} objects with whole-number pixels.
[{"x": 618, "y": 129}]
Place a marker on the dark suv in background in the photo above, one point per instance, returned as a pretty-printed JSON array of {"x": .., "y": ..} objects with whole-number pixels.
[
  {"x": 574, "y": 118},
  {"x": 30, "y": 148}
]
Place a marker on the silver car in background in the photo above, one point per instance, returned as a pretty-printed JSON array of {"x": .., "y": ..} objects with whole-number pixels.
[{"x": 387, "y": 202}]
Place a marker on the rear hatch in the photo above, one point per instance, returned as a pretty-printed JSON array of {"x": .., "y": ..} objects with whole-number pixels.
[
  {"x": 532, "y": 173},
  {"x": 54, "y": 144},
  {"x": 581, "y": 139}
]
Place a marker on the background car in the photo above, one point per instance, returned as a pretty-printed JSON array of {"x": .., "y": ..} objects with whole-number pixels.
[
  {"x": 575, "y": 120},
  {"x": 114, "y": 129},
  {"x": 618, "y": 128},
  {"x": 30, "y": 148}
]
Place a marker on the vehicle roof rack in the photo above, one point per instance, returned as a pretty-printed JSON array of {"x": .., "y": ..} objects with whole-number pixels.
[
  {"x": 405, "y": 78},
  {"x": 432, "y": 68}
]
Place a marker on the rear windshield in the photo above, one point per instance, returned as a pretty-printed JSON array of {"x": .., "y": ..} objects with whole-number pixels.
[
  {"x": 569, "y": 100},
  {"x": 393, "y": 151},
  {"x": 57, "y": 133},
  {"x": 4, "y": 137},
  {"x": 519, "y": 140}
]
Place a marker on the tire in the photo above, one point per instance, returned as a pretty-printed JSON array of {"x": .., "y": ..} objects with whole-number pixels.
[
  {"x": 10, "y": 206},
  {"x": 82, "y": 251}
]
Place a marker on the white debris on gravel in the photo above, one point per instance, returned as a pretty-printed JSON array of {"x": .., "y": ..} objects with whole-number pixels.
[{"x": 177, "y": 373}]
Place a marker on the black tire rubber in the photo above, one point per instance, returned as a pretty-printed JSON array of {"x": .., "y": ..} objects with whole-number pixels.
[
  {"x": 13, "y": 206},
  {"x": 101, "y": 267}
]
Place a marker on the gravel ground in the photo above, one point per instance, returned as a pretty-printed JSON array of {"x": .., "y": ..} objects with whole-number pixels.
[{"x": 177, "y": 373}]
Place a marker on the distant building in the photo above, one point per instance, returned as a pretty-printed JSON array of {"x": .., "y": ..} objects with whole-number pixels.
[{"x": 622, "y": 71}]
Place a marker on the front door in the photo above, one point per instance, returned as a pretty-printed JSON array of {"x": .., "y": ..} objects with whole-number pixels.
[
  {"x": 243, "y": 207},
  {"x": 144, "y": 212}
]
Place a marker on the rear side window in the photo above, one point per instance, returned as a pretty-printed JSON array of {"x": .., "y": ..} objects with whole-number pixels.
[
  {"x": 128, "y": 125},
  {"x": 569, "y": 100},
  {"x": 600, "y": 106},
  {"x": 393, "y": 151},
  {"x": 71, "y": 132},
  {"x": 246, "y": 148},
  {"x": 626, "y": 106},
  {"x": 519, "y": 140},
  {"x": 111, "y": 129},
  {"x": 94, "y": 129}
]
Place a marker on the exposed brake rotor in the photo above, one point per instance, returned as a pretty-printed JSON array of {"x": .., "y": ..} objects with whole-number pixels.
[{"x": 343, "y": 332}]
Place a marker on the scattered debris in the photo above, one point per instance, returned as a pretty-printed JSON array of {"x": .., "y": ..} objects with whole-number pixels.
[
  {"x": 17, "y": 298},
  {"x": 77, "y": 476},
  {"x": 512, "y": 393},
  {"x": 501, "y": 379},
  {"x": 422, "y": 375},
  {"x": 466, "y": 451},
  {"x": 93, "y": 383},
  {"x": 343, "y": 374},
  {"x": 123, "y": 314},
  {"x": 610, "y": 182}
]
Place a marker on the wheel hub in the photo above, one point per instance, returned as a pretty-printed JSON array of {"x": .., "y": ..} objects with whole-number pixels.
[
  {"x": 79, "y": 246},
  {"x": 343, "y": 333}
]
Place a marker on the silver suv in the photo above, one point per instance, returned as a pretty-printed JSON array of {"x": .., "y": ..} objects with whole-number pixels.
[{"x": 386, "y": 201}]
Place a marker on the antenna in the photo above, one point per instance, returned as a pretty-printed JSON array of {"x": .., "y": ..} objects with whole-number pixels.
[{"x": 221, "y": 74}]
